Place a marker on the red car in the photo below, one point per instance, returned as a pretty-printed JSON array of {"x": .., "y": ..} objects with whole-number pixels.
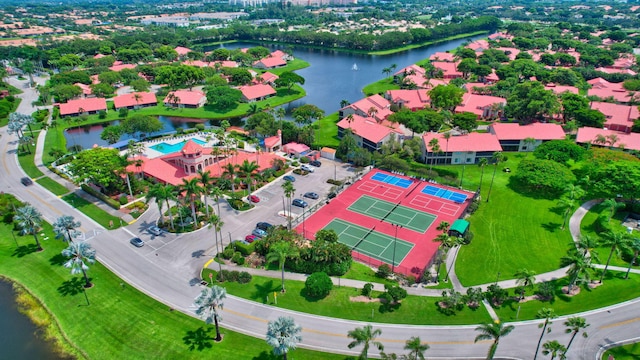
[
  {"x": 250, "y": 238},
  {"x": 254, "y": 199}
]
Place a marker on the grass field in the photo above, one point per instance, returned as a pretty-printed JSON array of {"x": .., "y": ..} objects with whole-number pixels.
[
  {"x": 513, "y": 231},
  {"x": 327, "y": 131},
  {"x": 120, "y": 321},
  {"x": 98, "y": 215},
  {"x": 625, "y": 352},
  {"x": 27, "y": 163},
  {"x": 52, "y": 186},
  {"x": 380, "y": 86}
]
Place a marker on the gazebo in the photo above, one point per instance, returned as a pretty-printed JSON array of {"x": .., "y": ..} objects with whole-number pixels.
[{"x": 459, "y": 228}]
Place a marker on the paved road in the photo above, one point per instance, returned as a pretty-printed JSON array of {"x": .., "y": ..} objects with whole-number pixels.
[{"x": 167, "y": 269}]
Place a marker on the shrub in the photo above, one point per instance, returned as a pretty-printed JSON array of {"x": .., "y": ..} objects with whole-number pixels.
[
  {"x": 244, "y": 277},
  {"x": 123, "y": 199},
  {"x": 109, "y": 201},
  {"x": 384, "y": 271},
  {"x": 334, "y": 182},
  {"x": 228, "y": 252},
  {"x": 366, "y": 290},
  {"x": 102, "y": 114},
  {"x": 199, "y": 127},
  {"x": 395, "y": 292},
  {"x": 304, "y": 160},
  {"x": 495, "y": 294},
  {"x": 546, "y": 291},
  {"x": 238, "y": 258},
  {"x": 244, "y": 249},
  {"x": 318, "y": 285},
  {"x": 300, "y": 172},
  {"x": 123, "y": 112}
]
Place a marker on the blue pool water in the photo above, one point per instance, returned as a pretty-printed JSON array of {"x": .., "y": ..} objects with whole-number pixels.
[{"x": 165, "y": 148}]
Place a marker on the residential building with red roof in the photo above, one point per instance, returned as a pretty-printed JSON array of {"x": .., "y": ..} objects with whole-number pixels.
[
  {"x": 185, "y": 99},
  {"x": 256, "y": 92},
  {"x": 484, "y": 106},
  {"x": 604, "y": 89},
  {"x": 282, "y": 55},
  {"x": 617, "y": 117},
  {"x": 182, "y": 51},
  {"x": 273, "y": 143},
  {"x": 266, "y": 78},
  {"x": 135, "y": 100},
  {"x": 410, "y": 99},
  {"x": 197, "y": 63},
  {"x": 442, "y": 56},
  {"x": 608, "y": 70},
  {"x": 595, "y": 136},
  {"x": 510, "y": 52},
  {"x": 374, "y": 105},
  {"x": 83, "y": 106},
  {"x": 224, "y": 63},
  {"x": 478, "y": 45},
  {"x": 449, "y": 69},
  {"x": 269, "y": 63},
  {"x": 559, "y": 89},
  {"x": 408, "y": 70},
  {"x": 86, "y": 89},
  {"x": 500, "y": 35},
  {"x": 460, "y": 149},
  {"x": 624, "y": 62},
  {"x": 121, "y": 67},
  {"x": 368, "y": 132},
  {"x": 516, "y": 137},
  {"x": 298, "y": 150}
]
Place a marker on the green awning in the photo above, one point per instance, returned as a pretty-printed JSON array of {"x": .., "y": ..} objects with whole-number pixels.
[{"x": 460, "y": 226}]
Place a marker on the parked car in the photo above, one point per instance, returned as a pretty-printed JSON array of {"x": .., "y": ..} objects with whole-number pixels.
[
  {"x": 332, "y": 195},
  {"x": 289, "y": 178},
  {"x": 254, "y": 199},
  {"x": 264, "y": 226},
  {"x": 137, "y": 242},
  {"x": 26, "y": 181},
  {"x": 259, "y": 233},
  {"x": 299, "y": 203},
  {"x": 307, "y": 168},
  {"x": 311, "y": 195},
  {"x": 250, "y": 238},
  {"x": 154, "y": 230},
  {"x": 315, "y": 163}
]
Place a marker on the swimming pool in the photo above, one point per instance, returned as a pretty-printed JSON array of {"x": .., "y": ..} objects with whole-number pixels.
[{"x": 166, "y": 148}]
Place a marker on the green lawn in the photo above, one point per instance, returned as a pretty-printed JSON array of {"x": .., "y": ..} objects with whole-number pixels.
[
  {"x": 327, "y": 131},
  {"x": 52, "y": 186},
  {"x": 27, "y": 163},
  {"x": 513, "y": 231},
  {"x": 120, "y": 321},
  {"x": 293, "y": 65},
  {"x": 380, "y": 86},
  {"x": 625, "y": 352},
  {"x": 362, "y": 272},
  {"x": 338, "y": 304},
  {"x": 98, "y": 215},
  {"x": 613, "y": 290}
]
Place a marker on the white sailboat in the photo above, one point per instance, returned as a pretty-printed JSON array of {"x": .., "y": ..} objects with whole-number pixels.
[{"x": 355, "y": 67}]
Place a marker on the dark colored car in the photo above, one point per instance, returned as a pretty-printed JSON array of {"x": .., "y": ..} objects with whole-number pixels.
[
  {"x": 264, "y": 226},
  {"x": 332, "y": 195},
  {"x": 311, "y": 195},
  {"x": 137, "y": 242},
  {"x": 299, "y": 203},
  {"x": 315, "y": 163},
  {"x": 26, "y": 181},
  {"x": 289, "y": 178},
  {"x": 154, "y": 230}
]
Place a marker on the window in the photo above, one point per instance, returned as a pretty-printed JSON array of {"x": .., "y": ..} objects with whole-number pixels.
[{"x": 457, "y": 160}]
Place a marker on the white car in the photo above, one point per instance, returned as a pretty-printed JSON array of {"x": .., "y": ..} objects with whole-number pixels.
[{"x": 307, "y": 168}]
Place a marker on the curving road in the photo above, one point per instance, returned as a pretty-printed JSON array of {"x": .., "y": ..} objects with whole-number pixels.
[{"x": 167, "y": 269}]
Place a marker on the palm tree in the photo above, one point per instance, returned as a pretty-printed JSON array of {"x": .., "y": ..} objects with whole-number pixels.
[
  {"x": 443, "y": 226},
  {"x": 446, "y": 136},
  {"x": 217, "y": 194},
  {"x": 247, "y": 169},
  {"x": 162, "y": 194},
  {"x": 588, "y": 244},
  {"x": 435, "y": 147},
  {"x": 567, "y": 204},
  {"x": 210, "y": 300},
  {"x": 283, "y": 334},
  {"x": 496, "y": 158},
  {"x": 617, "y": 241},
  {"x": 289, "y": 190},
  {"x": 365, "y": 336},
  {"x": 79, "y": 252},
  {"x": 574, "y": 326},
  {"x": 30, "y": 222},
  {"x": 279, "y": 252},
  {"x": 547, "y": 314},
  {"x": 554, "y": 348},
  {"x": 579, "y": 265},
  {"x": 494, "y": 330},
  {"x": 344, "y": 103},
  {"x": 230, "y": 172},
  {"x": 574, "y": 191},
  {"x": 634, "y": 245},
  {"x": 525, "y": 278},
  {"x": 65, "y": 227},
  {"x": 416, "y": 348},
  {"x": 217, "y": 224},
  {"x": 205, "y": 181},
  {"x": 192, "y": 190},
  {"x": 386, "y": 71},
  {"x": 613, "y": 206},
  {"x": 482, "y": 163}
]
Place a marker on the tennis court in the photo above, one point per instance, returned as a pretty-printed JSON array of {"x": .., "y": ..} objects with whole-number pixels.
[
  {"x": 392, "y": 180},
  {"x": 393, "y": 213},
  {"x": 444, "y": 193},
  {"x": 371, "y": 243}
]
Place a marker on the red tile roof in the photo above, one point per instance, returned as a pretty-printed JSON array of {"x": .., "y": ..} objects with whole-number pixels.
[
  {"x": 187, "y": 97},
  {"x": 411, "y": 68},
  {"x": 470, "y": 142},
  {"x": 197, "y": 63},
  {"x": 616, "y": 71},
  {"x": 122, "y": 67},
  {"x": 538, "y": 131},
  {"x": 268, "y": 77},
  {"x": 617, "y": 116},
  {"x": 271, "y": 141},
  {"x": 450, "y": 70},
  {"x": 442, "y": 56},
  {"x": 127, "y": 100},
  {"x": 182, "y": 50},
  {"x": 296, "y": 147},
  {"x": 559, "y": 89},
  {"x": 477, "y": 103},
  {"x": 86, "y": 89},
  {"x": 589, "y": 135},
  {"x": 86, "y": 105},
  {"x": 252, "y": 92},
  {"x": 368, "y": 128},
  {"x": 270, "y": 62},
  {"x": 279, "y": 54},
  {"x": 225, "y": 63},
  {"x": 376, "y": 101},
  {"x": 513, "y": 52},
  {"x": 411, "y": 99}
]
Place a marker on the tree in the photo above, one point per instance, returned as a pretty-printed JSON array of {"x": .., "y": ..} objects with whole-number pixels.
[
  {"x": 466, "y": 121},
  {"x": 28, "y": 68},
  {"x": 329, "y": 236},
  {"x": 29, "y": 220},
  {"x": 530, "y": 101},
  {"x": 308, "y": 113},
  {"x": 140, "y": 85},
  {"x": 571, "y": 103},
  {"x": 206, "y": 183},
  {"x": 617, "y": 240},
  {"x": 112, "y": 134},
  {"x": 553, "y": 348},
  {"x": 230, "y": 172},
  {"x": 162, "y": 193},
  {"x": 66, "y": 227},
  {"x": 493, "y": 331},
  {"x": 192, "y": 190},
  {"x": 567, "y": 205},
  {"x": 634, "y": 245},
  {"x": 613, "y": 205},
  {"x": 210, "y": 300},
  {"x": 288, "y": 79},
  {"x": 247, "y": 170},
  {"x": 434, "y": 146},
  {"x": 525, "y": 278},
  {"x": 446, "y": 97},
  {"x": 365, "y": 336},
  {"x": 496, "y": 158},
  {"x": 574, "y": 326},
  {"x": 579, "y": 265},
  {"x": 65, "y": 92},
  {"x": 289, "y": 190},
  {"x": 79, "y": 253},
  {"x": 482, "y": 163},
  {"x": 318, "y": 285},
  {"x": 283, "y": 335},
  {"x": 560, "y": 151},
  {"x": 547, "y": 314},
  {"x": 544, "y": 175},
  {"x": 279, "y": 252},
  {"x": 416, "y": 348},
  {"x": 223, "y": 97},
  {"x": 139, "y": 123},
  {"x": 588, "y": 244},
  {"x": 466, "y": 66},
  {"x": 590, "y": 118}
]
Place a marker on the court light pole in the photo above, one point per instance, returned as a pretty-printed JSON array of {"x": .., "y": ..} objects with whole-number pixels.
[{"x": 303, "y": 210}]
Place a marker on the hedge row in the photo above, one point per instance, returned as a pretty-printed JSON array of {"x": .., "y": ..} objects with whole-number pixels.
[{"x": 109, "y": 201}]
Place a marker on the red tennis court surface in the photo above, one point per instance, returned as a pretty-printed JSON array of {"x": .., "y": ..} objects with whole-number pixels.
[{"x": 424, "y": 247}]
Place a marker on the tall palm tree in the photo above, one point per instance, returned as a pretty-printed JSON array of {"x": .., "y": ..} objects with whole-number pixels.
[
  {"x": 416, "y": 348},
  {"x": 567, "y": 204},
  {"x": 617, "y": 241},
  {"x": 217, "y": 224},
  {"x": 634, "y": 245},
  {"x": 30, "y": 222},
  {"x": 65, "y": 227},
  {"x": 283, "y": 334},
  {"x": 553, "y": 348},
  {"x": 493, "y": 330},
  {"x": 79, "y": 253},
  {"x": 579, "y": 267},
  {"x": 210, "y": 300},
  {"x": 289, "y": 190},
  {"x": 192, "y": 190},
  {"x": 446, "y": 136},
  {"x": 205, "y": 179},
  {"x": 443, "y": 226},
  {"x": 161, "y": 193},
  {"x": 613, "y": 206},
  {"x": 231, "y": 173},
  {"x": 525, "y": 278},
  {"x": 496, "y": 158},
  {"x": 588, "y": 245},
  {"x": 547, "y": 314},
  {"x": 217, "y": 194},
  {"x": 279, "y": 252},
  {"x": 482, "y": 163},
  {"x": 365, "y": 336},
  {"x": 574, "y": 191},
  {"x": 435, "y": 147},
  {"x": 247, "y": 169},
  {"x": 574, "y": 326}
]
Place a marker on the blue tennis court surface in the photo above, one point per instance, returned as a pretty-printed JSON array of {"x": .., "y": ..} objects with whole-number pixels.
[
  {"x": 392, "y": 180},
  {"x": 444, "y": 193}
]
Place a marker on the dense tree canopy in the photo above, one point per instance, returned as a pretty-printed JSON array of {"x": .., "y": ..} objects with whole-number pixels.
[
  {"x": 99, "y": 166},
  {"x": 545, "y": 177},
  {"x": 560, "y": 151}
]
